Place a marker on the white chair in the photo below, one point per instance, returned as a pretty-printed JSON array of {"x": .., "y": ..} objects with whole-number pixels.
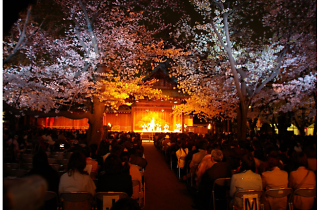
[{"x": 244, "y": 194}]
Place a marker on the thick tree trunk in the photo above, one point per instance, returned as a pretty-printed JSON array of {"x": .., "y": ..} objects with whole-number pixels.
[
  {"x": 242, "y": 122},
  {"x": 95, "y": 131}
]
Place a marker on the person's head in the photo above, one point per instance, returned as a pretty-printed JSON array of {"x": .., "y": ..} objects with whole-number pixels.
[
  {"x": 86, "y": 151},
  {"x": 203, "y": 144},
  {"x": 124, "y": 156},
  {"x": 93, "y": 148},
  {"x": 273, "y": 161},
  {"x": 300, "y": 159},
  {"x": 77, "y": 162},
  {"x": 126, "y": 204},
  {"x": 216, "y": 155},
  {"x": 40, "y": 159},
  {"x": 247, "y": 163},
  {"x": 112, "y": 164},
  {"x": 103, "y": 148}
]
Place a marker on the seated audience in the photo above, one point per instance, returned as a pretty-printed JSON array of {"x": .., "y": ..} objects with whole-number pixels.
[
  {"x": 181, "y": 155},
  {"x": 90, "y": 163},
  {"x": 114, "y": 178},
  {"x": 246, "y": 179},
  {"x": 274, "y": 178},
  {"x": 76, "y": 179},
  {"x": 219, "y": 169},
  {"x": 301, "y": 177},
  {"x": 134, "y": 173},
  {"x": 205, "y": 163},
  {"x": 136, "y": 158}
]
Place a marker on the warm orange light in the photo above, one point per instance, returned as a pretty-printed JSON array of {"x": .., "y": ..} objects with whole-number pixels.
[
  {"x": 209, "y": 126},
  {"x": 109, "y": 124}
]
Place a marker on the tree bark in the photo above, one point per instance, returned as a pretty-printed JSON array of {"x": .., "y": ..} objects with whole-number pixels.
[{"x": 95, "y": 132}]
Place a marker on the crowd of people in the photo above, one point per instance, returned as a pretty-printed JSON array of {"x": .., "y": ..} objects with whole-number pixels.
[
  {"x": 261, "y": 162},
  {"x": 110, "y": 166}
]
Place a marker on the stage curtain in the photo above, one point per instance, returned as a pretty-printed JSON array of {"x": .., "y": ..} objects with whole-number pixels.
[
  {"x": 118, "y": 121},
  {"x": 161, "y": 117},
  {"x": 63, "y": 123}
]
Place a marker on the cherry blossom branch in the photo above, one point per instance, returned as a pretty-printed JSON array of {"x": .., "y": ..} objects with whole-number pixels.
[
  {"x": 90, "y": 29},
  {"x": 21, "y": 38},
  {"x": 275, "y": 72}
]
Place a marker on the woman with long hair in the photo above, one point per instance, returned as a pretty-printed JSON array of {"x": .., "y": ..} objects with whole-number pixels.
[{"x": 76, "y": 179}]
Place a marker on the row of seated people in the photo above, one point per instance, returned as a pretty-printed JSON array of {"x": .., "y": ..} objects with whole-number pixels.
[
  {"x": 115, "y": 162},
  {"x": 254, "y": 165},
  {"x": 53, "y": 140}
]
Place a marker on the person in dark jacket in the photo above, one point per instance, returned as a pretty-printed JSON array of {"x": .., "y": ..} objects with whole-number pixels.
[
  {"x": 114, "y": 177},
  {"x": 218, "y": 170}
]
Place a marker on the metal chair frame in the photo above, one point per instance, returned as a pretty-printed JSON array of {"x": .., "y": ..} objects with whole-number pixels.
[
  {"x": 76, "y": 197},
  {"x": 52, "y": 195},
  {"x": 221, "y": 182},
  {"x": 280, "y": 193},
  {"x": 304, "y": 192}
]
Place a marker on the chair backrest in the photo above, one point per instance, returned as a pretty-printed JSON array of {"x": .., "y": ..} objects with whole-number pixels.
[
  {"x": 26, "y": 156},
  {"x": 224, "y": 182},
  {"x": 278, "y": 193},
  {"x": 306, "y": 192},
  {"x": 50, "y": 195},
  {"x": 10, "y": 166},
  {"x": 26, "y": 166},
  {"x": 242, "y": 193},
  {"x": 135, "y": 183},
  {"x": 15, "y": 173},
  {"x": 76, "y": 200},
  {"x": 109, "y": 198}
]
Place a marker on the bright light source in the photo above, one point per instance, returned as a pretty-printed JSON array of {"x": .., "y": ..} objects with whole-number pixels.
[{"x": 209, "y": 126}]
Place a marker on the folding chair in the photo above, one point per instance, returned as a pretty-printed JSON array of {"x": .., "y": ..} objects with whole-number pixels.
[
  {"x": 51, "y": 200},
  {"x": 76, "y": 201},
  {"x": 225, "y": 183},
  {"x": 105, "y": 200},
  {"x": 15, "y": 173},
  {"x": 280, "y": 193},
  {"x": 26, "y": 156},
  {"x": 304, "y": 192},
  {"x": 141, "y": 193},
  {"x": 26, "y": 166},
  {"x": 10, "y": 166},
  {"x": 242, "y": 194}
]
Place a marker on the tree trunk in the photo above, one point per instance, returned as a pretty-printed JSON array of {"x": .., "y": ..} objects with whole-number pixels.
[
  {"x": 242, "y": 122},
  {"x": 95, "y": 131}
]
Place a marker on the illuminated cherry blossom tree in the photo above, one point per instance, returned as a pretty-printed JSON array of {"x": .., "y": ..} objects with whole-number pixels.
[
  {"x": 84, "y": 57},
  {"x": 228, "y": 50}
]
